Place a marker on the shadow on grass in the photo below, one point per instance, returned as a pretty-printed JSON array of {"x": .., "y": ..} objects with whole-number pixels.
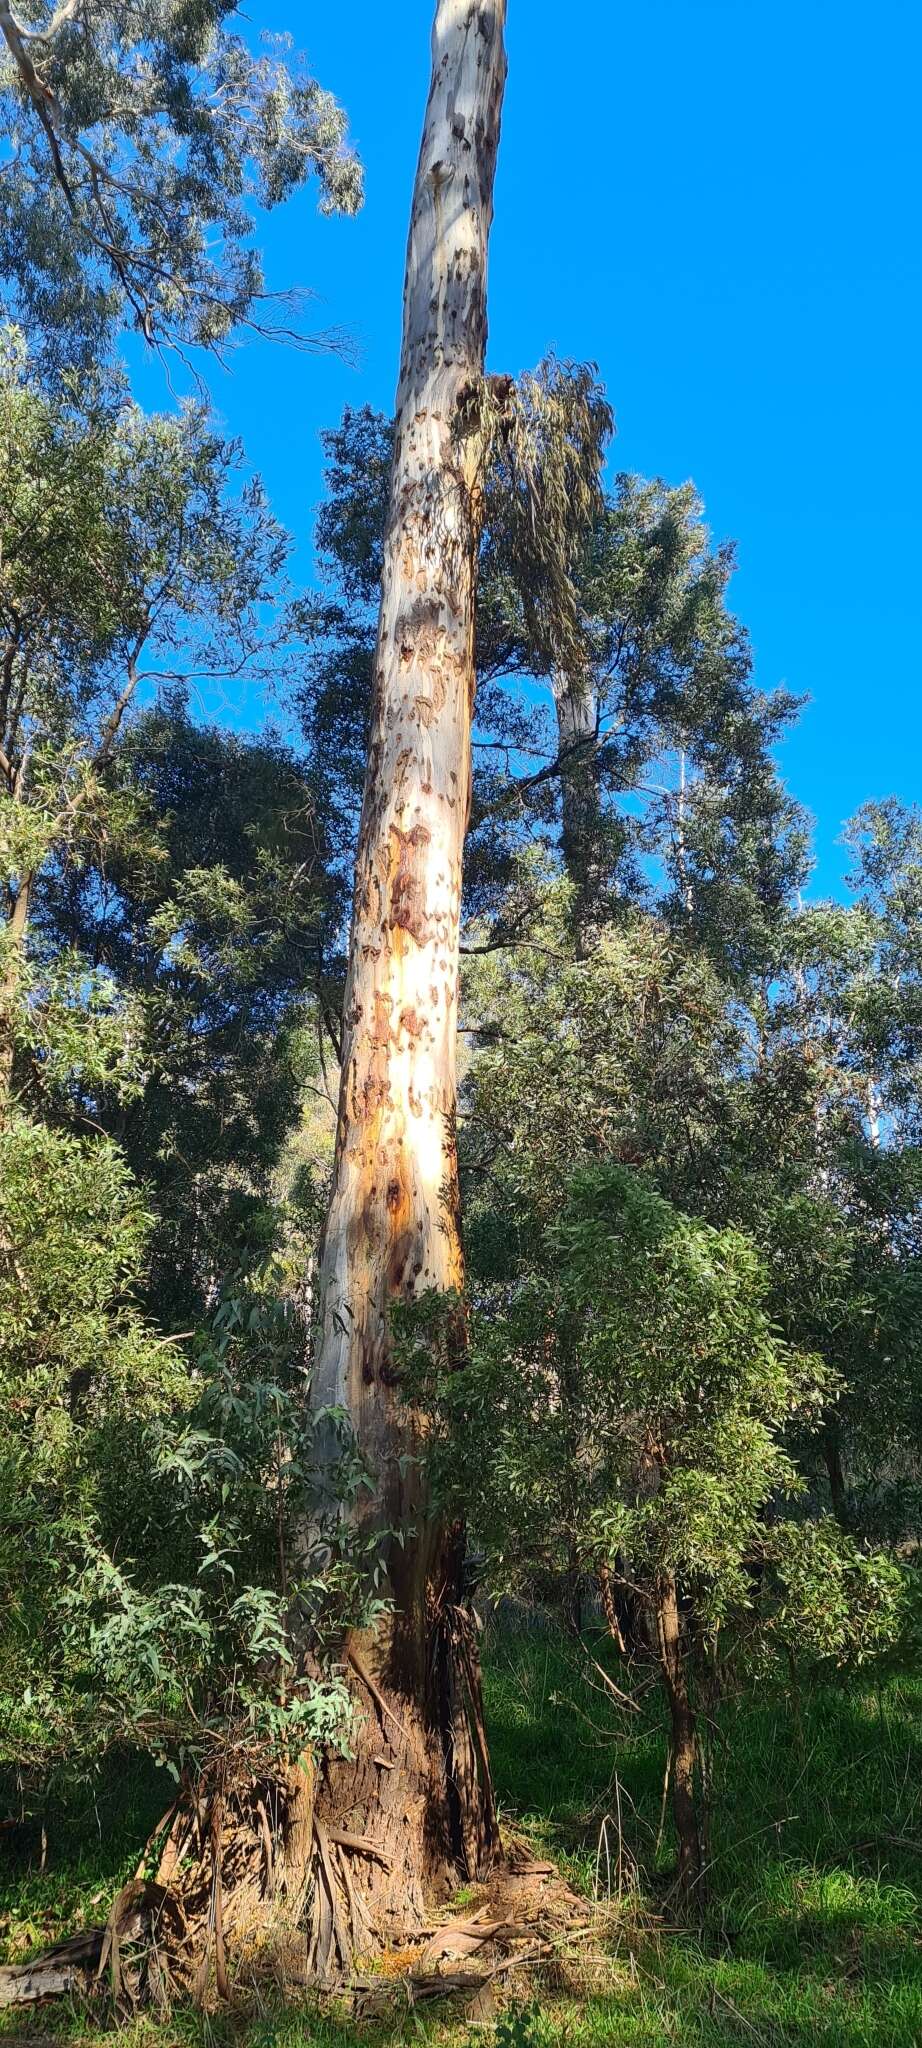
[{"x": 61, "y": 1862}]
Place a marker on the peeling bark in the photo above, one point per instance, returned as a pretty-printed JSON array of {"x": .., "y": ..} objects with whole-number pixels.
[{"x": 393, "y": 1228}]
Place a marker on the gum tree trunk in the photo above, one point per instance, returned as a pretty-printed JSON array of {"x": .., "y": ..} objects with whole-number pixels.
[{"x": 419, "y": 1783}]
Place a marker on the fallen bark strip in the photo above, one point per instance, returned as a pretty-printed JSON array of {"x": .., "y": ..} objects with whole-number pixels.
[
  {"x": 80, "y": 1961},
  {"x": 362, "y": 1672},
  {"x": 57, "y": 1971},
  {"x": 32, "y": 1983}
]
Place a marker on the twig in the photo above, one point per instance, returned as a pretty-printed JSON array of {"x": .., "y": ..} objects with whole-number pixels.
[
  {"x": 662, "y": 1811},
  {"x": 361, "y": 1846},
  {"x": 353, "y": 1658}
]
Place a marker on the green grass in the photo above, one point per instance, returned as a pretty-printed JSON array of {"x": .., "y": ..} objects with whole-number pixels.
[
  {"x": 813, "y": 1927},
  {"x": 812, "y": 1935}
]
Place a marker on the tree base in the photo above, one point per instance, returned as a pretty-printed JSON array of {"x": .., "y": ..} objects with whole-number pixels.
[
  {"x": 298, "y": 1874},
  {"x": 409, "y": 1815}
]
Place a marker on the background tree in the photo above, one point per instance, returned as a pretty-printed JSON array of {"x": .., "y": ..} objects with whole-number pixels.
[
  {"x": 627, "y": 1413},
  {"x": 832, "y": 1163},
  {"x": 125, "y": 564},
  {"x": 746, "y": 1098},
  {"x": 675, "y": 780},
  {"x": 153, "y": 1514},
  {"x": 211, "y": 925}
]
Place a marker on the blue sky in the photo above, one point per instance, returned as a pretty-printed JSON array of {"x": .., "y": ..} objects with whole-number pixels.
[{"x": 719, "y": 202}]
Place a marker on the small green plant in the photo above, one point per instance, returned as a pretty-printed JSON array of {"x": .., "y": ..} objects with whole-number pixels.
[{"x": 523, "y": 2026}]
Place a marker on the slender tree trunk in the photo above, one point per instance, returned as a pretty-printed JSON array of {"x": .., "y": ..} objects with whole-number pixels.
[
  {"x": 576, "y": 703},
  {"x": 684, "y": 1736},
  {"x": 873, "y": 1101},
  {"x": 15, "y": 939},
  {"x": 392, "y": 1230},
  {"x": 679, "y": 840},
  {"x": 835, "y": 1471},
  {"x": 609, "y": 1607}
]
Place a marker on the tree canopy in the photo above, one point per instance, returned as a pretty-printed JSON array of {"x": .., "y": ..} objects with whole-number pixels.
[{"x": 141, "y": 141}]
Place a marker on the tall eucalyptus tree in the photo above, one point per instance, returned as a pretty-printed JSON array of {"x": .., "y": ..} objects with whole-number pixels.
[{"x": 392, "y": 1230}]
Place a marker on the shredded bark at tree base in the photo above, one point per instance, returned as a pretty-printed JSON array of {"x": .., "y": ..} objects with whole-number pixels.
[{"x": 194, "y": 1933}]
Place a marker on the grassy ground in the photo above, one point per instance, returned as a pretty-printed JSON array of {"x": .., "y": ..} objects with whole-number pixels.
[{"x": 812, "y": 1936}]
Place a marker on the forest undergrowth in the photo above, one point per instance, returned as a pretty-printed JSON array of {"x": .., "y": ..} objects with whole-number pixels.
[{"x": 812, "y": 1930}]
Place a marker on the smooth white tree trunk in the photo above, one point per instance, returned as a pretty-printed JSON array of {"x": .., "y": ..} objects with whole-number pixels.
[{"x": 393, "y": 1227}]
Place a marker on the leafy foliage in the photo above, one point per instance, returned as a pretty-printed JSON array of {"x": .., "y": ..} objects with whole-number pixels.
[
  {"x": 142, "y": 139},
  {"x": 211, "y": 926},
  {"x": 156, "y": 1527},
  {"x": 690, "y": 1103},
  {"x": 634, "y": 1398},
  {"x": 643, "y": 758}
]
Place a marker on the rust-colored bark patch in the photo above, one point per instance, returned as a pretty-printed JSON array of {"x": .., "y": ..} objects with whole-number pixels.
[
  {"x": 408, "y": 911},
  {"x": 403, "y": 1230},
  {"x": 412, "y": 1023},
  {"x": 376, "y": 1087}
]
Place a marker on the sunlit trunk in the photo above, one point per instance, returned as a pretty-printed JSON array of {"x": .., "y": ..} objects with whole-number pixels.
[{"x": 393, "y": 1226}]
